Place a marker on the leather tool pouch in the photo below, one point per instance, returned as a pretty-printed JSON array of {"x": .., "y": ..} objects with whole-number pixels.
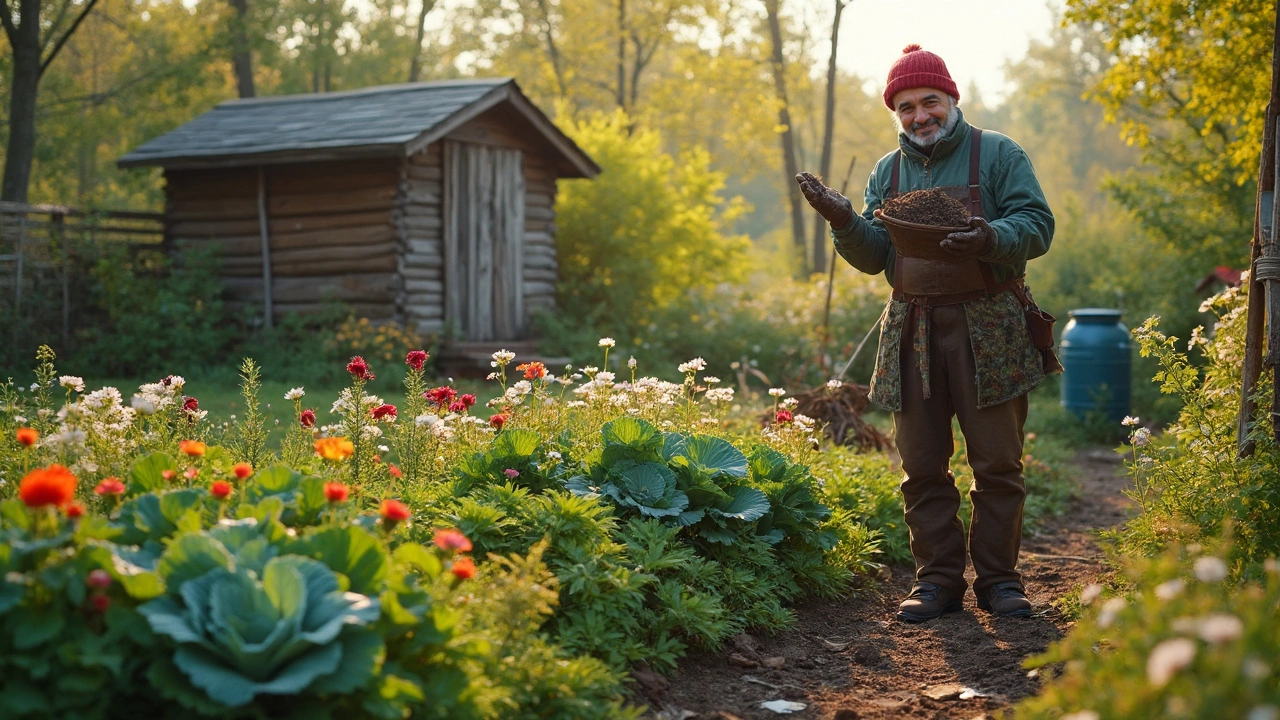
[{"x": 1040, "y": 327}]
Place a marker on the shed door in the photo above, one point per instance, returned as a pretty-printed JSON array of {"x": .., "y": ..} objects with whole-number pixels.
[{"x": 484, "y": 241}]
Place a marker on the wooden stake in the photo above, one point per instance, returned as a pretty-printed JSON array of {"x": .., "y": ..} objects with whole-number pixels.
[{"x": 267, "y": 310}]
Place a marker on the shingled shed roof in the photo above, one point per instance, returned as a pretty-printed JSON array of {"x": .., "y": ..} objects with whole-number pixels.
[{"x": 387, "y": 120}]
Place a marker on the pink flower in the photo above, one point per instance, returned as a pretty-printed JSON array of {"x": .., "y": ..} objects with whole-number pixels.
[
  {"x": 99, "y": 579},
  {"x": 511, "y": 472},
  {"x": 452, "y": 540},
  {"x": 110, "y": 486},
  {"x": 416, "y": 359}
]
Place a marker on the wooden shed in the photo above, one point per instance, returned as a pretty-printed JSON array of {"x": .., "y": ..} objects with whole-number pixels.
[{"x": 429, "y": 203}]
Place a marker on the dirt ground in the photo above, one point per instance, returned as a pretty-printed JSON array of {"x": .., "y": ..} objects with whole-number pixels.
[{"x": 848, "y": 659}]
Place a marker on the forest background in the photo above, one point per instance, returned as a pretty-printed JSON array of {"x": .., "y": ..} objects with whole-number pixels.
[{"x": 1143, "y": 121}]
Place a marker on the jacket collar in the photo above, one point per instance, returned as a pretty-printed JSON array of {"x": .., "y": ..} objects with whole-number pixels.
[{"x": 943, "y": 148}]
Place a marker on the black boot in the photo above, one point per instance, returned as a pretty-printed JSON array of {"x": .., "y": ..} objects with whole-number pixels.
[{"x": 928, "y": 601}]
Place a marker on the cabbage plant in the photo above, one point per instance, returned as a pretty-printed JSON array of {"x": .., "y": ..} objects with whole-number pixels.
[{"x": 277, "y": 625}]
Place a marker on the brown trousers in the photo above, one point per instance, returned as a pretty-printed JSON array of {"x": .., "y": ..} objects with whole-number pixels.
[{"x": 993, "y": 438}]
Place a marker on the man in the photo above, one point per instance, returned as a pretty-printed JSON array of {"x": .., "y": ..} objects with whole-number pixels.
[{"x": 955, "y": 341}]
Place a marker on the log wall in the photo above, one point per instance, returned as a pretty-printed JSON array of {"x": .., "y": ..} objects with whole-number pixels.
[{"x": 330, "y": 226}]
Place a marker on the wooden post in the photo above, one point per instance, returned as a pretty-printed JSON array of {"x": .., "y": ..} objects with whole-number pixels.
[
  {"x": 1271, "y": 275},
  {"x": 60, "y": 236},
  {"x": 1256, "y": 318},
  {"x": 267, "y": 310}
]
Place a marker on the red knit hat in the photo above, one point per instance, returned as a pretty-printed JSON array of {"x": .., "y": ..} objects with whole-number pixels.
[{"x": 918, "y": 68}]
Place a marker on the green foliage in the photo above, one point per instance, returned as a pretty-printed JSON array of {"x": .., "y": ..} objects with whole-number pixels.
[
  {"x": 1185, "y": 644},
  {"x": 153, "y": 311}
]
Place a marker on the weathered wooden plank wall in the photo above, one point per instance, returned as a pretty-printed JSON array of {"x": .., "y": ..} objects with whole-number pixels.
[
  {"x": 330, "y": 224},
  {"x": 418, "y": 220}
]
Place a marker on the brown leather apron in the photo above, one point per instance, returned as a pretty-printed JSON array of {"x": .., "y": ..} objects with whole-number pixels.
[{"x": 923, "y": 277}]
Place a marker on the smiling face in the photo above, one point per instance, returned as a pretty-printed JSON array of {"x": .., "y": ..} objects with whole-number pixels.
[{"x": 924, "y": 115}]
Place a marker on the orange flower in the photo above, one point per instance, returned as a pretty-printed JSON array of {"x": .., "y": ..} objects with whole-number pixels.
[
  {"x": 463, "y": 568},
  {"x": 452, "y": 540},
  {"x": 394, "y": 471},
  {"x": 220, "y": 489},
  {"x": 194, "y": 448},
  {"x": 242, "y": 470},
  {"x": 28, "y": 436},
  {"x": 54, "y": 485},
  {"x": 336, "y": 449},
  {"x": 168, "y": 475},
  {"x": 335, "y": 492},
  {"x": 533, "y": 370},
  {"x": 394, "y": 511}
]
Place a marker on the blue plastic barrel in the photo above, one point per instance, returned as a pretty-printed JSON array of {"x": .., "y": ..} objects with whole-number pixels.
[{"x": 1096, "y": 362}]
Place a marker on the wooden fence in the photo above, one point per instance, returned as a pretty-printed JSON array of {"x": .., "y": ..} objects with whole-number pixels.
[{"x": 46, "y": 253}]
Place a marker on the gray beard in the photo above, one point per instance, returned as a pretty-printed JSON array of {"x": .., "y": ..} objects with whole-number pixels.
[{"x": 953, "y": 118}]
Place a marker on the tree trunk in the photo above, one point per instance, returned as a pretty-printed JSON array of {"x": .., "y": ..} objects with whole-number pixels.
[
  {"x": 828, "y": 136},
  {"x": 787, "y": 135},
  {"x": 415, "y": 67},
  {"x": 552, "y": 50},
  {"x": 622, "y": 54},
  {"x": 25, "y": 41},
  {"x": 241, "y": 57}
]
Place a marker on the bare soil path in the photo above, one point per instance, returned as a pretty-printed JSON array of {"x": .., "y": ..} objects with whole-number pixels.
[{"x": 848, "y": 659}]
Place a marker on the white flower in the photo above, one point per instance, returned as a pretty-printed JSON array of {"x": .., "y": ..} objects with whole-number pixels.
[
  {"x": 1169, "y": 590},
  {"x": 1167, "y": 658},
  {"x": 523, "y": 387},
  {"x": 631, "y": 363},
  {"x": 1210, "y": 569},
  {"x": 1082, "y": 715},
  {"x": 371, "y": 432},
  {"x": 295, "y": 393},
  {"x": 428, "y": 420},
  {"x": 502, "y": 357},
  {"x": 1141, "y": 437},
  {"x": 710, "y": 380},
  {"x": 1129, "y": 421},
  {"x": 720, "y": 395},
  {"x": 790, "y": 404},
  {"x": 590, "y": 370},
  {"x": 1221, "y": 628},
  {"x": 20, "y": 419},
  {"x": 1110, "y": 609},
  {"x": 606, "y": 342},
  {"x": 834, "y": 384},
  {"x": 694, "y": 365},
  {"x": 72, "y": 382},
  {"x": 554, "y": 455},
  {"x": 34, "y": 387},
  {"x": 1090, "y": 593},
  {"x": 604, "y": 377},
  {"x": 143, "y": 405},
  {"x": 709, "y": 421},
  {"x": 777, "y": 392},
  {"x": 1255, "y": 668}
]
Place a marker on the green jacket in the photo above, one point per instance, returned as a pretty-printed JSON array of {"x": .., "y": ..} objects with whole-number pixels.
[
  {"x": 1012, "y": 201},
  {"x": 1007, "y": 362}
]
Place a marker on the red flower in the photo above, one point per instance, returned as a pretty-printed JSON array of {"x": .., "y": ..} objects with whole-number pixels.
[
  {"x": 784, "y": 416},
  {"x": 359, "y": 369},
  {"x": 533, "y": 370},
  {"x": 416, "y": 359},
  {"x": 384, "y": 411},
  {"x": 220, "y": 489},
  {"x": 452, "y": 540},
  {"x": 168, "y": 475},
  {"x": 394, "y": 471},
  {"x": 28, "y": 436},
  {"x": 335, "y": 492},
  {"x": 463, "y": 568},
  {"x": 468, "y": 400},
  {"x": 100, "y": 602},
  {"x": 457, "y": 406},
  {"x": 394, "y": 511},
  {"x": 242, "y": 470},
  {"x": 497, "y": 421},
  {"x": 441, "y": 396},
  {"x": 190, "y": 404},
  {"x": 308, "y": 418},
  {"x": 99, "y": 579},
  {"x": 110, "y": 486},
  {"x": 54, "y": 485},
  {"x": 75, "y": 510}
]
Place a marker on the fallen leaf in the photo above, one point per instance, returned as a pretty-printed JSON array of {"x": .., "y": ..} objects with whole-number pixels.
[
  {"x": 783, "y": 707},
  {"x": 835, "y": 646},
  {"x": 945, "y": 691},
  {"x": 743, "y": 661},
  {"x": 774, "y": 662},
  {"x": 969, "y": 694}
]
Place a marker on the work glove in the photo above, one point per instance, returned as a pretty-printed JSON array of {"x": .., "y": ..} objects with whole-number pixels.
[
  {"x": 970, "y": 243},
  {"x": 831, "y": 205}
]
